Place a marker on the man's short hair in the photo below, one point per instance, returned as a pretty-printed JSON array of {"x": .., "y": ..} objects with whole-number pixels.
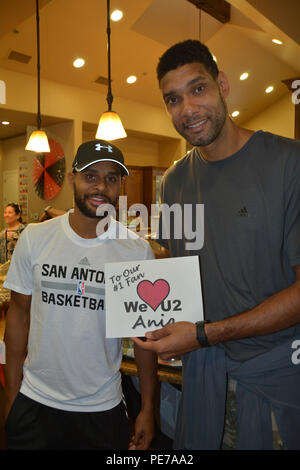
[{"x": 186, "y": 52}]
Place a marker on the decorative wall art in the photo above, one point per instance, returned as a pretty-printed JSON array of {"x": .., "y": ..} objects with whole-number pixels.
[{"x": 49, "y": 171}]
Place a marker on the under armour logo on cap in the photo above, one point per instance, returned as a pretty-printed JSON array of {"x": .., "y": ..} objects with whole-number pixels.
[
  {"x": 96, "y": 151},
  {"x": 108, "y": 147}
]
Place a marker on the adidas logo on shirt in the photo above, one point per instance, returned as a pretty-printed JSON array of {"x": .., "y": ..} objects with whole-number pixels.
[{"x": 243, "y": 212}]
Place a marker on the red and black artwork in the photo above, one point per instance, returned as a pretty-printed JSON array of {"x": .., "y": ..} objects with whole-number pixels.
[{"x": 49, "y": 171}]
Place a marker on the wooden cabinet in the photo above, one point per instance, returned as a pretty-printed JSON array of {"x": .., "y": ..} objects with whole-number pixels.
[
  {"x": 152, "y": 180},
  {"x": 143, "y": 186},
  {"x": 133, "y": 186}
]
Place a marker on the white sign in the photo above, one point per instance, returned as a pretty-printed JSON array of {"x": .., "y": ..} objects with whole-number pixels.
[{"x": 147, "y": 295}]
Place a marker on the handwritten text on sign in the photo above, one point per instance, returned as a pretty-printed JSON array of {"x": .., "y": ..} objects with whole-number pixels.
[{"x": 146, "y": 295}]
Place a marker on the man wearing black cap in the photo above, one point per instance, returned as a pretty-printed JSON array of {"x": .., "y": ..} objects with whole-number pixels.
[{"x": 67, "y": 394}]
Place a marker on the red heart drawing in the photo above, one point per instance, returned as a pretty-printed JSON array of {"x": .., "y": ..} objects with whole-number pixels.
[{"x": 153, "y": 293}]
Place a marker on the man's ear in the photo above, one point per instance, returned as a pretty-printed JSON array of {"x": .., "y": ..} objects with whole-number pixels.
[
  {"x": 71, "y": 177},
  {"x": 223, "y": 83}
]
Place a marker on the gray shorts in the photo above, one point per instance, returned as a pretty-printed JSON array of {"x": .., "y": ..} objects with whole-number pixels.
[{"x": 230, "y": 430}]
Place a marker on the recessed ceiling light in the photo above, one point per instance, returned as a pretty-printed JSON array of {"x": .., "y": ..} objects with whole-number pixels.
[
  {"x": 116, "y": 15},
  {"x": 277, "y": 41},
  {"x": 244, "y": 76},
  {"x": 131, "y": 79},
  {"x": 5, "y": 123},
  {"x": 269, "y": 89},
  {"x": 78, "y": 63},
  {"x": 235, "y": 113}
]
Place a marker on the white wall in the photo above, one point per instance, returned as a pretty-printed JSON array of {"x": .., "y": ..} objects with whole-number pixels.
[{"x": 278, "y": 118}]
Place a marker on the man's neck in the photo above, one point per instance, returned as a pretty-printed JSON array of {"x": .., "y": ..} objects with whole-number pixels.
[
  {"x": 85, "y": 227},
  {"x": 231, "y": 139}
]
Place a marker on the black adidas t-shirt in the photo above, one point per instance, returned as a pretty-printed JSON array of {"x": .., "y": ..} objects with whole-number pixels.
[{"x": 251, "y": 228}]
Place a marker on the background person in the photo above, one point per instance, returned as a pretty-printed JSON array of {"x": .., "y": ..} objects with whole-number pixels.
[
  {"x": 10, "y": 235},
  {"x": 249, "y": 183}
]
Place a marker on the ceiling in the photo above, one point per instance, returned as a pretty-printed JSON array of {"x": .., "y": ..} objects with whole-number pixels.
[{"x": 73, "y": 28}]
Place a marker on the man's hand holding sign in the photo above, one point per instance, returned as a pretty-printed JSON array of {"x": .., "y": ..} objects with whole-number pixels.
[{"x": 171, "y": 340}]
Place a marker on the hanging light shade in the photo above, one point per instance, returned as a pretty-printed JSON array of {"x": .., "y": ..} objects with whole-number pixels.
[
  {"x": 110, "y": 125},
  {"x": 38, "y": 141}
]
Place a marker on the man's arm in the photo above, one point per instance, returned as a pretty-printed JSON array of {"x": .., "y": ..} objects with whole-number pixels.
[
  {"x": 146, "y": 362},
  {"x": 278, "y": 312},
  {"x": 50, "y": 213},
  {"x": 15, "y": 338}
]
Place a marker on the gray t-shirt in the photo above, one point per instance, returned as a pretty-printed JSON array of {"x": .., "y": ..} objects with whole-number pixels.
[{"x": 251, "y": 228}]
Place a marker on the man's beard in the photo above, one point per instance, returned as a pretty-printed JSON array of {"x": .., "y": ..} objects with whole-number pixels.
[
  {"x": 217, "y": 123},
  {"x": 80, "y": 202}
]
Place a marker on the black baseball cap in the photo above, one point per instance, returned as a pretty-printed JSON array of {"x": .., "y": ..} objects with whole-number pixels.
[{"x": 95, "y": 151}]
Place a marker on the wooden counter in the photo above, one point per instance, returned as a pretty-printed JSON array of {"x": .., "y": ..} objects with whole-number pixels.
[{"x": 165, "y": 374}]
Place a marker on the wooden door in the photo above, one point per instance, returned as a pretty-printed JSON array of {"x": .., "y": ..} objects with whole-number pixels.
[{"x": 133, "y": 186}]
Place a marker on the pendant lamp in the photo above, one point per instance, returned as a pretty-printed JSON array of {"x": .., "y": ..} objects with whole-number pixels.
[
  {"x": 110, "y": 126},
  {"x": 38, "y": 141}
]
